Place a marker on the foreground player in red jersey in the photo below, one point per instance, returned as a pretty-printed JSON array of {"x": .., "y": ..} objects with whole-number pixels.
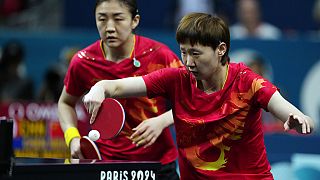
[
  {"x": 216, "y": 104},
  {"x": 121, "y": 54}
]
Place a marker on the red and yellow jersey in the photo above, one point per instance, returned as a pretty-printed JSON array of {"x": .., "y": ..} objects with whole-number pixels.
[
  {"x": 89, "y": 66},
  {"x": 218, "y": 134}
]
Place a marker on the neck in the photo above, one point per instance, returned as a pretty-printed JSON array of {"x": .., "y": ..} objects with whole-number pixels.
[
  {"x": 121, "y": 52},
  {"x": 217, "y": 81}
]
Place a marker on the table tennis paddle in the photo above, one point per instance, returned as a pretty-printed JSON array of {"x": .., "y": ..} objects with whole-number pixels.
[
  {"x": 110, "y": 119},
  {"x": 89, "y": 149},
  {"x": 108, "y": 124}
]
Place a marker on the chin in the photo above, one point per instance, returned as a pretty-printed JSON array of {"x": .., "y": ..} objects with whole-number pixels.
[{"x": 113, "y": 45}]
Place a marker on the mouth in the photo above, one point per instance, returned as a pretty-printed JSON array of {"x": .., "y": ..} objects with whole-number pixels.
[{"x": 111, "y": 38}]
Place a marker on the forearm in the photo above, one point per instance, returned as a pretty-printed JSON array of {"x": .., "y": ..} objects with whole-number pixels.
[
  {"x": 67, "y": 116},
  {"x": 127, "y": 87},
  {"x": 282, "y": 109}
]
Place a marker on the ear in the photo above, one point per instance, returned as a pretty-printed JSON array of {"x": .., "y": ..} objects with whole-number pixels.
[
  {"x": 135, "y": 22},
  {"x": 222, "y": 48}
]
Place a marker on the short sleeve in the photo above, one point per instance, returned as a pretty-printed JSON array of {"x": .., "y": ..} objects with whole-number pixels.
[
  {"x": 160, "y": 82},
  {"x": 262, "y": 90},
  {"x": 72, "y": 81}
]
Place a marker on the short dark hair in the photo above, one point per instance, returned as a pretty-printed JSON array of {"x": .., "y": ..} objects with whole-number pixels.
[
  {"x": 131, "y": 4},
  {"x": 205, "y": 29}
]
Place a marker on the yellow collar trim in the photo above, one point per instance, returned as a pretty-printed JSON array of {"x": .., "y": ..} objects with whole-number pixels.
[{"x": 131, "y": 53}]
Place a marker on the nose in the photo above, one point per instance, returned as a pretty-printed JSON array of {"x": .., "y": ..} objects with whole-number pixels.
[
  {"x": 110, "y": 26},
  {"x": 189, "y": 61}
]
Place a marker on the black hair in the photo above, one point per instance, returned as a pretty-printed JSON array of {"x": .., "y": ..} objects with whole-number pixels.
[
  {"x": 131, "y": 4},
  {"x": 205, "y": 29}
]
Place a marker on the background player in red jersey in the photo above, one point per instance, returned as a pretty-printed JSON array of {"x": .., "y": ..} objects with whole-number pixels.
[
  {"x": 216, "y": 104},
  {"x": 119, "y": 54}
]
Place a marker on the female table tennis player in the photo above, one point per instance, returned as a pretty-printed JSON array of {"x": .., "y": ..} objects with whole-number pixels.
[
  {"x": 216, "y": 104},
  {"x": 119, "y": 54}
]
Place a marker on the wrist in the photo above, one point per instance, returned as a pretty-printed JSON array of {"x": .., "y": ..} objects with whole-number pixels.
[
  {"x": 71, "y": 133},
  {"x": 163, "y": 122},
  {"x": 98, "y": 89}
]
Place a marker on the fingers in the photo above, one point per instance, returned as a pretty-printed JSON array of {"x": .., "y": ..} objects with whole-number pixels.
[
  {"x": 151, "y": 142},
  {"x": 92, "y": 106},
  {"x": 93, "y": 99},
  {"x": 138, "y": 130},
  {"x": 146, "y": 133},
  {"x": 141, "y": 125},
  {"x": 135, "y": 135},
  {"x": 304, "y": 125},
  {"x": 147, "y": 141},
  {"x": 301, "y": 124},
  {"x": 76, "y": 154},
  {"x": 75, "y": 149},
  {"x": 80, "y": 155},
  {"x": 142, "y": 136},
  {"x": 309, "y": 124},
  {"x": 288, "y": 124},
  {"x": 308, "y": 127},
  {"x": 94, "y": 114}
]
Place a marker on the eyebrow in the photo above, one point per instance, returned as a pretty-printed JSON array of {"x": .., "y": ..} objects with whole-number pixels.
[
  {"x": 114, "y": 14},
  {"x": 190, "y": 50}
]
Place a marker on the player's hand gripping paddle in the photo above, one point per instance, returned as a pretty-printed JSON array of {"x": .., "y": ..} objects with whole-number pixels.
[
  {"x": 108, "y": 124},
  {"x": 110, "y": 119}
]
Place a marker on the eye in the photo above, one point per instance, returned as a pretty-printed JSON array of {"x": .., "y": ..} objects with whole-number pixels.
[
  {"x": 195, "y": 54},
  {"x": 101, "y": 19},
  {"x": 119, "y": 17},
  {"x": 183, "y": 53}
]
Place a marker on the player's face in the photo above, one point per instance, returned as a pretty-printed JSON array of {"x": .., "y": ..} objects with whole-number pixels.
[
  {"x": 202, "y": 61},
  {"x": 114, "y": 22}
]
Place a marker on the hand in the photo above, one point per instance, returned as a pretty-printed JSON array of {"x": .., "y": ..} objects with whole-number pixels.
[
  {"x": 75, "y": 148},
  {"x": 147, "y": 132},
  {"x": 300, "y": 124},
  {"x": 92, "y": 101}
]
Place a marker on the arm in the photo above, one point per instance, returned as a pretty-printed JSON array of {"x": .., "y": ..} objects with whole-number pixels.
[
  {"x": 292, "y": 117},
  {"x": 127, "y": 87},
  {"x": 68, "y": 119},
  {"x": 149, "y": 130}
]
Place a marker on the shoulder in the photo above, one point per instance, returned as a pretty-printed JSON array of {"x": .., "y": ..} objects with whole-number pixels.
[
  {"x": 151, "y": 44},
  {"x": 88, "y": 53},
  {"x": 248, "y": 81},
  {"x": 243, "y": 72}
]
